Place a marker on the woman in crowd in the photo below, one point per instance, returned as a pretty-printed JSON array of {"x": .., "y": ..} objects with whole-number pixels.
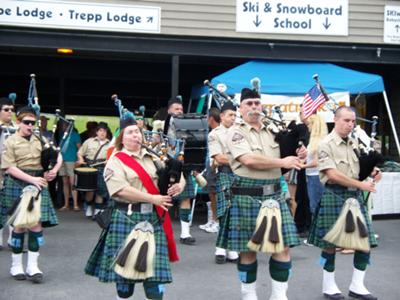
[
  {"x": 22, "y": 164},
  {"x": 135, "y": 203}
]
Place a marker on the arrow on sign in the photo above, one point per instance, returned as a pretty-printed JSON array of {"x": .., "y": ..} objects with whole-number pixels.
[
  {"x": 257, "y": 22},
  {"x": 149, "y": 19},
  {"x": 397, "y": 28},
  {"x": 326, "y": 24}
]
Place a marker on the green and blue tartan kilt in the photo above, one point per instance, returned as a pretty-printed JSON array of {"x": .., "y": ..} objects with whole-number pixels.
[
  {"x": 244, "y": 211},
  {"x": 101, "y": 261},
  {"x": 223, "y": 232},
  {"x": 329, "y": 210},
  {"x": 224, "y": 182},
  {"x": 101, "y": 185},
  {"x": 188, "y": 192},
  {"x": 12, "y": 191}
]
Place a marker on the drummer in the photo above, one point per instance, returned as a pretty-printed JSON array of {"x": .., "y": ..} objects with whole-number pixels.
[{"x": 93, "y": 153}]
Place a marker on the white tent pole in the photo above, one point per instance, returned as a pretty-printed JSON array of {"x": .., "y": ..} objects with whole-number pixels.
[{"x": 396, "y": 138}]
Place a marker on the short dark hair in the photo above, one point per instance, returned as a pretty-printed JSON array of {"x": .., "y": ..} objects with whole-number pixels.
[
  {"x": 214, "y": 113},
  {"x": 339, "y": 110}
]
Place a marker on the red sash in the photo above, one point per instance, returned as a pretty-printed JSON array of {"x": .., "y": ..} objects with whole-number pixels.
[{"x": 152, "y": 189}]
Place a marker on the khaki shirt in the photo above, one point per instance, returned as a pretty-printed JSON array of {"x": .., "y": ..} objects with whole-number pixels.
[
  {"x": 91, "y": 146},
  {"x": 217, "y": 140},
  {"x": 243, "y": 139},
  {"x": 335, "y": 153},
  {"x": 21, "y": 153}
]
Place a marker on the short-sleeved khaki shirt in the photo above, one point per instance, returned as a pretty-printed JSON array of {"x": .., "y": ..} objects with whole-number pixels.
[
  {"x": 21, "y": 153},
  {"x": 117, "y": 175},
  {"x": 335, "y": 153},
  {"x": 243, "y": 139},
  {"x": 91, "y": 146},
  {"x": 217, "y": 139}
]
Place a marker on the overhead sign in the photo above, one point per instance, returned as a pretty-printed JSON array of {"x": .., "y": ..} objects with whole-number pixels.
[
  {"x": 318, "y": 17},
  {"x": 82, "y": 16},
  {"x": 392, "y": 25}
]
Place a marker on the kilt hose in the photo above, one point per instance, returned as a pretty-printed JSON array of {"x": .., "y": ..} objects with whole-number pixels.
[
  {"x": 328, "y": 211},
  {"x": 12, "y": 191},
  {"x": 244, "y": 211},
  {"x": 101, "y": 261}
]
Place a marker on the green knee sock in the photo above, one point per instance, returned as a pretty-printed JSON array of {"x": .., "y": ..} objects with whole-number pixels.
[
  {"x": 247, "y": 272},
  {"x": 17, "y": 242},
  {"x": 153, "y": 290},
  {"x": 184, "y": 214},
  {"x": 361, "y": 260},
  {"x": 279, "y": 270},
  {"x": 327, "y": 261},
  {"x": 35, "y": 240}
]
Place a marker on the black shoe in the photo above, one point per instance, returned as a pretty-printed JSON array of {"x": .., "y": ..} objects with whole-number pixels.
[
  {"x": 36, "y": 278},
  {"x": 359, "y": 296},
  {"x": 188, "y": 241},
  {"x": 19, "y": 276},
  {"x": 337, "y": 296},
  {"x": 220, "y": 259}
]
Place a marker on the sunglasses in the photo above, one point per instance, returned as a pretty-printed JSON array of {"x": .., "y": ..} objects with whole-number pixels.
[
  {"x": 29, "y": 122},
  {"x": 255, "y": 102},
  {"x": 8, "y": 109}
]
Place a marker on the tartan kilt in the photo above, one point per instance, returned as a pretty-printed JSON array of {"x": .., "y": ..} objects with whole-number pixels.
[
  {"x": 101, "y": 185},
  {"x": 244, "y": 211},
  {"x": 329, "y": 210},
  {"x": 224, "y": 182},
  {"x": 188, "y": 192},
  {"x": 223, "y": 233},
  {"x": 101, "y": 260},
  {"x": 12, "y": 191}
]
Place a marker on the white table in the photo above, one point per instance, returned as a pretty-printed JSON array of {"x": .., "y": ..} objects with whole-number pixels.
[{"x": 387, "y": 198}]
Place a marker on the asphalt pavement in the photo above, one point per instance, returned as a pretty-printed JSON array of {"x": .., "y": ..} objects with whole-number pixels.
[{"x": 196, "y": 276}]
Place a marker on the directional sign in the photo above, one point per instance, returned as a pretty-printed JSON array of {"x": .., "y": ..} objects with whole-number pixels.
[
  {"x": 320, "y": 17},
  {"x": 79, "y": 15},
  {"x": 392, "y": 25}
]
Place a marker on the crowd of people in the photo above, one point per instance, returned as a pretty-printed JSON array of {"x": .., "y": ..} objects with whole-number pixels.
[{"x": 249, "y": 208}]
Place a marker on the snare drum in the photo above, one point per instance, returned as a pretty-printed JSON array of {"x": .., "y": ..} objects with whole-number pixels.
[
  {"x": 193, "y": 128},
  {"x": 85, "y": 179}
]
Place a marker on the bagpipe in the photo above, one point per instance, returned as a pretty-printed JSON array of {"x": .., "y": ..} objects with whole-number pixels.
[
  {"x": 368, "y": 157},
  {"x": 50, "y": 151},
  {"x": 168, "y": 154}
]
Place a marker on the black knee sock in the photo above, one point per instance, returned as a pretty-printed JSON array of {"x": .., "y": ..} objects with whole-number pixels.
[
  {"x": 279, "y": 270},
  {"x": 361, "y": 260}
]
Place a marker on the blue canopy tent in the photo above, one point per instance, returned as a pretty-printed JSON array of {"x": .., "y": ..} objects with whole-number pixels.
[{"x": 296, "y": 78}]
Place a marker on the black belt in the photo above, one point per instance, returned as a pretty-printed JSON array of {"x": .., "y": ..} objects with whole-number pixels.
[
  {"x": 125, "y": 206},
  {"x": 263, "y": 190},
  {"x": 224, "y": 169},
  {"x": 340, "y": 187}
]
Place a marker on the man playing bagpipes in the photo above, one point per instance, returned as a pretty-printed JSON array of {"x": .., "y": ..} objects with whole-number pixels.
[
  {"x": 7, "y": 128},
  {"x": 93, "y": 153},
  {"x": 138, "y": 242},
  {"x": 218, "y": 151},
  {"x": 26, "y": 195},
  {"x": 175, "y": 107},
  {"x": 260, "y": 220},
  {"x": 341, "y": 219}
]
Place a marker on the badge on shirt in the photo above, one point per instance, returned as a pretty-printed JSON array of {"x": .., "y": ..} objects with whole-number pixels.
[
  {"x": 237, "y": 138},
  {"x": 108, "y": 173},
  {"x": 323, "y": 155}
]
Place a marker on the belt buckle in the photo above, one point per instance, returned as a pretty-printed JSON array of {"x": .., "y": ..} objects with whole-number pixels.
[
  {"x": 352, "y": 189},
  {"x": 268, "y": 189},
  {"x": 146, "y": 208}
]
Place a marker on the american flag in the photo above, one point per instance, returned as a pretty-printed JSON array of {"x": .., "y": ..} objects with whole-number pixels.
[{"x": 312, "y": 101}]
